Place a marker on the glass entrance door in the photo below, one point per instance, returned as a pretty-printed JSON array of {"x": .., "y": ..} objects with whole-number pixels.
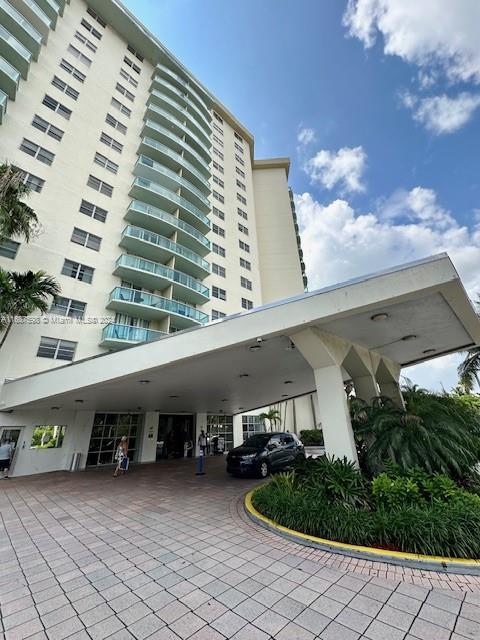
[
  {"x": 175, "y": 436},
  {"x": 107, "y": 430}
]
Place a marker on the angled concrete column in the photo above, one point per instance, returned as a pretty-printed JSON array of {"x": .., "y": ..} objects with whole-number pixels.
[
  {"x": 388, "y": 375},
  {"x": 325, "y": 354},
  {"x": 366, "y": 387},
  {"x": 359, "y": 365}
]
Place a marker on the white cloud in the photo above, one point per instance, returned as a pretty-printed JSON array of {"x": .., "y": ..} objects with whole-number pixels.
[
  {"x": 306, "y": 136},
  {"x": 344, "y": 169},
  {"x": 441, "y": 114},
  {"x": 428, "y": 33}
]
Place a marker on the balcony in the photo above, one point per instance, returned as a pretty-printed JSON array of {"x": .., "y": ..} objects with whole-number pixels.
[
  {"x": 160, "y": 249},
  {"x": 153, "y": 275},
  {"x": 37, "y": 18},
  {"x": 173, "y": 107},
  {"x": 145, "y": 305},
  {"x": 179, "y": 96},
  {"x": 52, "y": 9},
  {"x": 179, "y": 145},
  {"x": 171, "y": 122},
  {"x": 3, "y": 105},
  {"x": 20, "y": 28},
  {"x": 119, "y": 336},
  {"x": 14, "y": 52},
  {"x": 175, "y": 161},
  {"x": 145, "y": 167},
  {"x": 153, "y": 193},
  {"x": 9, "y": 78},
  {"x": 163, "y": 223},
  {"x": 184, "y": 85}
]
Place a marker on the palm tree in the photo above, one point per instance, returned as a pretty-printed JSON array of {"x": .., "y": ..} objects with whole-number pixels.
[
  {"x": 16, "y": 217},
  {"x": 23, "y": 293},
  {"x": 469, "y": 370},
  {"x": 273, "y": 417}
]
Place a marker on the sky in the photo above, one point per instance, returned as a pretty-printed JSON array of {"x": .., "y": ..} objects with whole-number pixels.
[{"x": 376, "y": 102}]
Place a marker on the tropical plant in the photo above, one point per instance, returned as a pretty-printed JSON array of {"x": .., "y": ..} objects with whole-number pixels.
[
  {"x": 312, "y": 437},
  {"x": 272, "y": 416},
  {"x": 16, "y": 217},
  {"x": 469, "y": 370},
  {"x": 23, "y": 293}
]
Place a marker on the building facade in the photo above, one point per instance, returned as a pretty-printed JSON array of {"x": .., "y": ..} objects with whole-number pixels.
[{"x": 154, "y": 216}]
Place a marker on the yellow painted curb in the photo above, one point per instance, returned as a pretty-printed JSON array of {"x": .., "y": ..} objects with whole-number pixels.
[{"x": 353, "y": 548}]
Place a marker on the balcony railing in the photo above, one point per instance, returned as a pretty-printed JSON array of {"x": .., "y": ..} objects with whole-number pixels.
[
  {"x": 186, "y": 100},
  {"x": 20, "y": 27},
  {"x": 3, "y": 105},
  {"x": 15, "y": 52},
  {"x": 125, "y": 333},
  {"x": 186, "y": 84},
  {"x": 194, "y": 139},
  {"x": 184, "y": 111},
  {"x": 9, "y": 78}
]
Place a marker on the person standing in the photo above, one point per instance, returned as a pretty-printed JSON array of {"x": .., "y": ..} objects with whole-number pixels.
[
  {"x": 6, "y": 455},
  {"x": 202, "y": 445},
  {"x": 121, "y": 457}
]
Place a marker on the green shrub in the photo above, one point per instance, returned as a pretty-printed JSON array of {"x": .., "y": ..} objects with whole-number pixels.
[{"x": 312, "y": 437}]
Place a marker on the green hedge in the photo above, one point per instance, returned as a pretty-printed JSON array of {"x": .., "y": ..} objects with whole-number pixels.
[{"x": 312, "y": 437}]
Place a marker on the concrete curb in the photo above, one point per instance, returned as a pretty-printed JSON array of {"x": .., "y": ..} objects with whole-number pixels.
[{"x": 412, "y": 560}]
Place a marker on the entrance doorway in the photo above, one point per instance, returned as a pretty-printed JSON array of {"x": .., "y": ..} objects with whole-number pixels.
[
  {"x": 12, "y": 435},
  {"x": 107, "y": 430},
  {"x": 175, "y": 436}
]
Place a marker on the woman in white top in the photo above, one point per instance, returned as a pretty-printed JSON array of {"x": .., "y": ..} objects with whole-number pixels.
[{"x": 121, "y": 455}]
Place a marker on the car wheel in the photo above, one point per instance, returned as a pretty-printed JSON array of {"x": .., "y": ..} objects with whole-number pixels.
[{"x": 263, "y": 469}]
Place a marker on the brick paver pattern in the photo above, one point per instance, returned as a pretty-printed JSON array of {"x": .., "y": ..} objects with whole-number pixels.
[{"x": 166, "y": 555}]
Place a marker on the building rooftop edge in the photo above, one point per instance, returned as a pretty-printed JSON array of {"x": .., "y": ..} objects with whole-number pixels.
[{"x": 272, "y": 163}]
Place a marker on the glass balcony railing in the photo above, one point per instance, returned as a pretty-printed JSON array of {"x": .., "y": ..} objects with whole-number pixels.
[
  {"x": 177, "y": 140},
  {"x": 188, "y": 86},
  {"x": 163, "y": 272},
  {"x": 183, "y": 111},
  {"x": 177, "y": 200},
  {"x": 15, "y": 44},
  {"x": 9, "y": 78},
  {"x": 168, "y": 86},
  {"x": 183, "y": 127},
  {"x": 3, "y": 105},
  {"x": 160, "y": 169},
  {"x": 125, "y": 333},
  {"x": 20, "y": 27},
  {"x": 41, "y": 15},
  {"x": 179, "y": 159},
  {"x": 131, "y": 231},
  {"x": 158, "y": 303},
  {"x": 163, "y": 216}
]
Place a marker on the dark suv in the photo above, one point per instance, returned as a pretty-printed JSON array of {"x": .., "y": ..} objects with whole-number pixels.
[{"x": 264, "y": 452}]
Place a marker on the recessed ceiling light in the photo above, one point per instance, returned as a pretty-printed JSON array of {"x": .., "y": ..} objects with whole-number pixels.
[
  {"x": 409, "y": 337},
  {"x": 79, "y": 401},
  {"x": 240, "y": 408},
  {"x": 54, "y": 408},
  {"x": 173, "y": 396},
  {"x": 284, "y": 395},
  {"x": 255, "y": 347},
  {"x": 224, "y": 399},
  {"x": 288, "y": 382},
  {"x": 243, "y": 375},
  {"x": 378, "y": 317},
  {"x": 429, "y": 351},
  {"x": 144, "y": 381}
]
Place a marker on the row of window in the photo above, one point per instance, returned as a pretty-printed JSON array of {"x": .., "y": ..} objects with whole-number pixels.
[
  {"x": 221, "y": 271},
  {"x": 216, "y": 248},
  {"x": 221, "y": 232},
  {"x": 221, "y": 294}
]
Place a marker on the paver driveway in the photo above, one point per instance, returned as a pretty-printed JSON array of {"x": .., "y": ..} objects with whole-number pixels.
[{"x": 163, "y": 554}]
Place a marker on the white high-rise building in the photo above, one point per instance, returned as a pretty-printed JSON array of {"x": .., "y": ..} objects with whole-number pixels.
[{"x": 154, "y": 215}]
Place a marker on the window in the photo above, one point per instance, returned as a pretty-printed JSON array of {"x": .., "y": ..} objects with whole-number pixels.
[
  {"x": 218, "y": 230},
  {"x": 126, "y": 76},
  {"x": 93, "y": 211},
  {"x": 37, "y": 152},
  {"x": 218, "y": 196},
  {"x": 79, "y": 55},
  {"x": 121, "y": 107},
  {"x": 239, "y": 159},
  {"x": 131, "y": 64},
  {"x": 33, "y": 182},
  {"x": 247, "y": 304},
  {"x": 241, "y": 185},
  {"x": 244, "y": 246},
  {"x": 216, "y": 315},
  {"x": 242, "y": 229},
  {"x": 73, "y": 71},
  {"x": 245, "y": 283},
  {"x": 86, "y": 25},
  {"x": 217, "y": 166},
  {"x": 88, "y": 43},
  {"x": 237, "y": 136},
  {"x": 100, "y": 185},
  {"x": 107, "y": 164},
  {"x": 240, "y": 172},
  {"x": 44, "y": 126},
  {"x": 218, "y": 153},
  {"x": 77, "y": 271},
  {"x": 8, "y": 248},
  {"x": 86, "y": 239},
  {"x": 242, "y": 213},
  {"x": 218, "y": 270},
  {"x": 245, "y": 264},
  {"x": 218, "y": 213},
  {"x": 65, "y": 88},
  {"x": 218, "y": 181},
  {"x": 238, "y": 147},
  {"x": 217, "y": 117},
  {"x": 221, "y": 294},
  {"x": 48, "y": 437},
  {"x": 241, "y": 199},
  {"x": 217, "y": 140},
  {"x": 251, "y": 425},
  {"x": 217, "y": 128},
  {"x": 135, "y": 52},
  {"x": 218, "y": 250},
  {"x": 125, "y": 92},
  {"x": 54, "y": 105},
  {"x": 56, "y": 349},
  {"x": 110, "y": 142},
  {"x": 113, "y": 122},
  {"x": 68, "y": 307},
  {"x": 98, "y": 18}
]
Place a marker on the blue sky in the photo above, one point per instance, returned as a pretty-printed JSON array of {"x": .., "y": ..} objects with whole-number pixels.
[{"x": 377, "y": 102}]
